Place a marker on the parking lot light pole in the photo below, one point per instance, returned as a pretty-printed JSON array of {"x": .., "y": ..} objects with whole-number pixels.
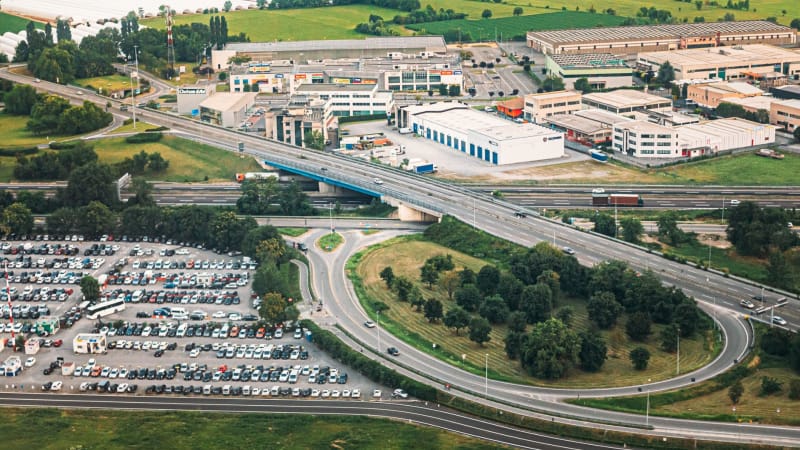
[{"x": 378, "y": 328}]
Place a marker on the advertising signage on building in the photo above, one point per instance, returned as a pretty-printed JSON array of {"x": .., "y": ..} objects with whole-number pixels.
[{"x": 258, "y": 68}]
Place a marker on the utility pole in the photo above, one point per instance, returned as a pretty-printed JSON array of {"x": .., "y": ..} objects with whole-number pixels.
[
  {"x": 136, "y": 75},
  {"x": 723, "y": 209},
  {"x": 678, "y": 361},
  {"x": 486, "y": 378}
]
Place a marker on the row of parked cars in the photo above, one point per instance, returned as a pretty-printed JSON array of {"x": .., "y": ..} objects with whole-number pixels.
[
  {"x": 184, "y": 297},
  {"x": 49, "y": 277},
  {"x": 274, "y": 391},
  {"x": 25, "y": 311},
  {"x": 44, "y": 294},
  {"x": 43, "y": 249},
  {"x": 260, "y": 351}
]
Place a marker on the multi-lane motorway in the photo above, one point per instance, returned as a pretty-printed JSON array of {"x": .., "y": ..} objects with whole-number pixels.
[{"x": 717, "y": 294}]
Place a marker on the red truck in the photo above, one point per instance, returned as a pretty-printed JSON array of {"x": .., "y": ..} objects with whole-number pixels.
[{"x": 601, "y": 198}]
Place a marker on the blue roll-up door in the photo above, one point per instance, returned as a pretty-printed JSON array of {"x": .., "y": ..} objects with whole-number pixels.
[
  {"x": 415, "y": 128},
  {"x": 494, "y": 158},
  {"x": 449, "y": 141},
  {"x": 480, "y": 152},
  {"x": 428, "y": 133},
  {"x": 463, "y": 147},
  {"x": 471, "y": 149}
]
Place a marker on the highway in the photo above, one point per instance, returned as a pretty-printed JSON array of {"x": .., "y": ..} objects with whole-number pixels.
[
  {"x": 716, "y": 293},
  {"x": 421, "y": 413}
]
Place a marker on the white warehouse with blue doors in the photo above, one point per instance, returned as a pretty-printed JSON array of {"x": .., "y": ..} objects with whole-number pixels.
[{"x": 481, "y": 135}]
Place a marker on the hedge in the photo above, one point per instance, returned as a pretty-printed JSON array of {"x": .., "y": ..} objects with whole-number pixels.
[
  {"x": 144, "y": 137},
  {"x": 349, "y": 119},
  {"x": 14, "y": 151}
]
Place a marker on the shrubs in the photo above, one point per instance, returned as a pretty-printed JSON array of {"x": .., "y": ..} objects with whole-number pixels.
[{"x": 140, "y": 138}]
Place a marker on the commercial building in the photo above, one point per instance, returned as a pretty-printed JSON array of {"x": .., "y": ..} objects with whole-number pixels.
[
  {"x": 710, "y": 95},
  {"x": 624, "y": 101},
  {"x": 647, "y": 38},
  {"x": 190, "y": 97},
  {"x": 372, "y": 47},
  {"x": 648, "y": 140},
  {"x": 538, "y": 107},
  {"x": 785, "y": 114},
  {"x": 90, "y": 343},
  {"x": 602, "y": 70},
  {"x": 300, "y": 116},
  {"x": 350, "y": 99},
  {"x": 481, "y": 135},
  {"x": 587, "y": 126},
  {"x": 729, "y": 63},
  {"x": 512, "y": 108},
  {"x": 789, "y": 92},
  {"x": 754, "y": 104},
  {"x": 227, "y": 109}
]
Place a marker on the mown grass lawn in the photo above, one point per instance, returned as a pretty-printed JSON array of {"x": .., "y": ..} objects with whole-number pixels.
[
  {"x": 292, "y": 231},
  {"x": 292, "y": 24},
  {"x": 406, "y": 256},
  {"x": 108, "y": 83},
  {"x": 111, "y": 430},
  {"x": 744, "y": 169},
  {"x": 15, "y": 24},
  {"x": 188, "y": 160},
  {"x": 14, "y": 134},
  {"x": 330, "y": 241}
]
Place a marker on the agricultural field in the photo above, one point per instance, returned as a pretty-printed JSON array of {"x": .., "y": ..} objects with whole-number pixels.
[
  {"x": 407, "y": 255},
  {"x": 516, "y": 27},
  {"x": 84, "y": 429},
  {"x": 291, "y": 24},
  {"x": 15, "y": 24}
]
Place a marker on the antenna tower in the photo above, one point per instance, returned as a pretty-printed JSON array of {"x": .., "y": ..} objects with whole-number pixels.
[{"x": 170, "y": 41}]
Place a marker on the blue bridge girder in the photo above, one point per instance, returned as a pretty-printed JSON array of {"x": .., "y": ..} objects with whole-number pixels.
[{"x": 324, "y": 179}]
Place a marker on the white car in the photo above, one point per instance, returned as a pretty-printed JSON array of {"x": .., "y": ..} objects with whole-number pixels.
[
  {"x": 355, "y": 393},
  {"x": 122, "y": 388},
  {"x": 325, "y": 393},
  {"x": 30, "y": 362},
  {"x": 377, "y": 181},
  {"x": 399, "y": 393},
  {"x": 376, "y": 393},
  {"x": 219, "y": 315},
  {"x": 776, "y": 320},
  {"x": 734, "y": 202},
  {"x": 56, "y": 386}
]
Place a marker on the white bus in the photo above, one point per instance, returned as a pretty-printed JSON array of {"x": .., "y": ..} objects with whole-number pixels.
[{"x": 103, "y": 309}]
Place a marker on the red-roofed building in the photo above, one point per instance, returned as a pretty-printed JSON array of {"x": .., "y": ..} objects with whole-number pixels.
[{"x": 511, "y": 108}]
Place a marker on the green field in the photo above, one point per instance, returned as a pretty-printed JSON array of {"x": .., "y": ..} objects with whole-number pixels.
[
  {"x": 14, "y": 134},
  {"x": 516, "y": 27},
  {"x": 91, "y": 429},
  {"x": 744, "y": 169},
  {"x": 15, "y": 24},
  {"x": 406, "y": 256},
  {"x": 106, "y": 84},
  {"x": 291, "y": 24},
  {"x": 188, "y": 160}
]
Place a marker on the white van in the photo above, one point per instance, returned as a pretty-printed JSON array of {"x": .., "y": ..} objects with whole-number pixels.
[
  {"x": 182, "y": 330},
  {"x": 226, "y": 390},
  {"x": 179, "y": 314},
  {"x": 207, "y": 389},
  {"x": 246, "y": 390},
  {"x": 137, "y": 296}
]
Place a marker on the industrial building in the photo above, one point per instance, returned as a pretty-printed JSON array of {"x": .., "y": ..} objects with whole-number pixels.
[
  {"x": 789, "y": 92},
  {"x": 741, "y": 62},
  {"x": 648, "y": 38},
  {"x": 587, "y": 126},
  {"x": 648, "y": 140},
  {"x": 350, "y": 99},
  {"x": 538, "y": 107},
  {"x": 393, "y": 74},
  {"x": 190, "y": 97},
  {"x": 480, "y": 135},
  {"x": 710, "y": 95},
  {"x": 291, "y": 122},
  {"x": 753, "y": 104},
  {"x": 785, "y": 114},
  {"x": 622, "y": 101},
  {"x": 602, "y": 70},
  {"x": 227, "y": 109},
  {"x": 371, "y": 47}
]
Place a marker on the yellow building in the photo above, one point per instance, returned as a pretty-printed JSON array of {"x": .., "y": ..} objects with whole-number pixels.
[
  {"x": 785, "y": 114},
  {"x": 538, "y": 107},
  {"x": 710, "y": 95}
]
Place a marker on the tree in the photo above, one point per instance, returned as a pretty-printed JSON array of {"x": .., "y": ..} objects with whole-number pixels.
[
  {"x": 468, "y": 297},
  {"x": 271, "y": 250},
  {"x": 582, "y": 84},
  {"x": 314, "y": 140},
  {"x": 513, "y": 343},
  {"x": 795, "y": 23},
  {"x": 566, "y": 314},
  {"x": 90, "y": 289},
  {"x": 387, "y": 275},
  {"x": 433, "y": 310},
  {"x": 553, "y": 84},
  {"x": 227, "y": 6},
  {"x": 429, "y": 274},
  {"x": 639, "y": 357},
  {"x": 779, "y": 271},
  {"x": 19, "y": 101},
  {"x": 156, "y": 162},
  {"x": 18, "y": 219},
  {"x": 669, "y": 338},
  {"x": 517, "y": 321},
  {"x": 698, "y": 4},
  {"x": 605, "y": 224},
  {"x": 269, "y": 279},
  {"x": 88, "y": 183},
  {"x": 687, "y": 318},
  {"x": 603, "y": 309},
  {"x": 467, "y": 276},
  {"x": 143, "y": 193},
  {"x": 402, "y": 286},
  {"x": 794, "y": 353},
  {"x": 518, "y": 11},
  {"x": 794, "y": 389},
  {"x": 550, "y": 349},
  {"x": 638, "y": 326},
  {"x": 536, "y": 302},
  {"x": 96, "y": 219},
  {"x": 479, "y": 330},
  {"x": 668, "y": 229},
  {"x": 494, "y": 309},
  {"x": 666, "y": 73},
  {"x": 769, "y": 386},
  {"x": 593, "y": 352},
  {"x": 487, "y": 13},
  {"x": 631, "y": 229},
  {"x": 273, "y": 308},
  {"x": 488, "y": 278},
  {"x": 227, "y": 230},
  {"x": 449, "y": 281},
  {"x": 735, "y": 391},
  {"x": 456, "y": 318}
]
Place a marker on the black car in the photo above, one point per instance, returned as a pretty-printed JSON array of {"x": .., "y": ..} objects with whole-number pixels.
[{"x": 393, "y": 351}]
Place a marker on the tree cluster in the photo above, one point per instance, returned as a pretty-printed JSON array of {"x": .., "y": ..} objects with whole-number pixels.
[
  {"x": 655, "y": 15},
  {"x": 726, "y": 109},
  {"x": 402, "y": 5},
  {"x": 429, "y": 14},
  {"x": 54, "y": 165},
  {"x": 375, "y": 26},
  {"x": 268, "y": 197},
  {"x": 757, "y": 231}
]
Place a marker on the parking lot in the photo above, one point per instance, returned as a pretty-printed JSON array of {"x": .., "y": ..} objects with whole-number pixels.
[{"x": 188, "y": 327}]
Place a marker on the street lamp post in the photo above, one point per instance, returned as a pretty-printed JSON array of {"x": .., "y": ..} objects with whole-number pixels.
[
  {"x": 136, "y": 75},
  {"x": 330, "y": 215},
  {"x": 678, "y": 360},
  {"x": 647, "y": 410},
  {"x": 378, "y": 328},
  {"x": 486, "y": 377}
]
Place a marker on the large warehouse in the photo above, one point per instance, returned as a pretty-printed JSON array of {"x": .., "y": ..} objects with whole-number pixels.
[
  {"x": 373, "y": 47},
  {"x": 725, "y": 64},
  {"x": 648, "y": 38},
  {"x": 481, "y": 135}
]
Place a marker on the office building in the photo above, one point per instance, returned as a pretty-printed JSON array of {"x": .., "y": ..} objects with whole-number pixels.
[
  {"x": 538, "y": 107},
  {"x": 602, "y": 70},
  {"x": 710, "y": 95},
  {"x": 622, "y": 101},
  {"x": 227, "y": 109}
]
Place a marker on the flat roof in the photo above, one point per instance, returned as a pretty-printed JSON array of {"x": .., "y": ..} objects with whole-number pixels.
[
  {"x": 577, "y": 123},
  {"x": 643, "y": 126},
  {"x": 461, "y": 118},
  {"x": 587, "y": 60},
  {"x": 759, "y": 102},
  {"x": 621, "y": 98},
  {"x": 794, "y": 103},
  {"x": 320, "y": 87},
  {"x": 604, "y": 117},
  {"x": 223, "y": 101},
  {"x": 722, "y": 56},
  {"x": 646, "y": 32},
  {"x": 371, "y": 43},
  {"x": 723, "y": 127},
  {"x": 552, "y": 95}
]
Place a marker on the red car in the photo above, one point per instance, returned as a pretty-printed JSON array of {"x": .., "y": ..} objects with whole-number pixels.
[{"x": 58, "y": 343}]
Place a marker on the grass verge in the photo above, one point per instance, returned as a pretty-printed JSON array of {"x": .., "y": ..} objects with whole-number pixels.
[
  {"x": 293, "y": 232},
  {"x": 123, "y": 429}
]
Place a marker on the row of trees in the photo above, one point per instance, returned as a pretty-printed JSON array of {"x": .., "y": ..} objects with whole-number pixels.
[
  {"x": 726, "y": 109},
  {"x": 267, "y": 196},
  {"x": 51, "y": 114},
  {"x": 429, "y": 14},
  {"x": 402, "y": 5}
]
